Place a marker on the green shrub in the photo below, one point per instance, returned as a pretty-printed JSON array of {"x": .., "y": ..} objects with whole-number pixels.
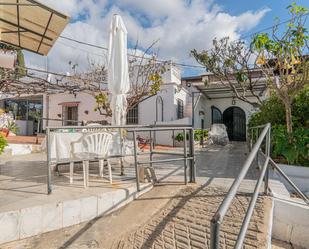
[
  {"x": 197, "y": 135},
  {"x": 293, "y": 147},
  {"x": 272, "y": 111},
  {"x": 3, "y": 143},
  {"x": 289, "y": 148}
]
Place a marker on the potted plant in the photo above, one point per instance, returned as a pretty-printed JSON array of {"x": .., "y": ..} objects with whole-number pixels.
[{"x": 198, "y": 135}]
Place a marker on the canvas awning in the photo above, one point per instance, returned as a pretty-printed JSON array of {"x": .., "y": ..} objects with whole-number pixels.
[{"x": 30, "y": 25}]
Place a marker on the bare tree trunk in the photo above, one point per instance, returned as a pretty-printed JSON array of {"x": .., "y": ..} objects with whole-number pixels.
[{"x": 288, "y": 116}]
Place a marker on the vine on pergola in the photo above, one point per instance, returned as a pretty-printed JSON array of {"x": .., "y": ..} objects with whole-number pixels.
[
  {"x": 22, "y": 80},
  {"x": 145, "y": 74}
]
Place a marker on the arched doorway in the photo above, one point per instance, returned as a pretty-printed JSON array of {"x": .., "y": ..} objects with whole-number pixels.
[{"x": 234, "y": 119}]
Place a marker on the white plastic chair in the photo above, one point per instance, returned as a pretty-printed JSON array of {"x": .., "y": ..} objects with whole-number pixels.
[{"x": 95, "y": 146}]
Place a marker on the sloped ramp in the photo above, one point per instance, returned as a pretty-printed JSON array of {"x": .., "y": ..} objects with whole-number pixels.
[{"x": 185, "y": 222}]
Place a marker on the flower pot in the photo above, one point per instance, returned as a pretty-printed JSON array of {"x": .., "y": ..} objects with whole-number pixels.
[{"x": 5, "y": 132}]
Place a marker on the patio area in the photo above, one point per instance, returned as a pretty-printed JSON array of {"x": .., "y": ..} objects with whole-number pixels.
[
  {"x": 216, "y": 165},
  {"x": 23, "y": 178},
  {"x": 26, "y": 209}
]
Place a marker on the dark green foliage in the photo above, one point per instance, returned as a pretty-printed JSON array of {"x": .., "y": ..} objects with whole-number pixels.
[
  {"x": 300, "y": 109},
  {"x": 290, "y": 148},
  {"x": 272, "y": 111},
  {"x": 294, "y": 147},
  {"x": 3, "y": 143}
]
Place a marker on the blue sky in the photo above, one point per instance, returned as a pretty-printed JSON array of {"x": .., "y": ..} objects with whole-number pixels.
[
  {"x": 277, "y": 7},
  {"x": 178, "y": 25}
]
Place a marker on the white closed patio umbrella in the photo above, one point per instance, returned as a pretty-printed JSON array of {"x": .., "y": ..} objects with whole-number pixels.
[{"x": 118, "y": 71}]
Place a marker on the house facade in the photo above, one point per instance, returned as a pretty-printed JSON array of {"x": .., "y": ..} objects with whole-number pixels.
[
  {"x": 180, "y": 101},
  {"x": 215, "y": 102},
  {"x": 33, "y": 113}
]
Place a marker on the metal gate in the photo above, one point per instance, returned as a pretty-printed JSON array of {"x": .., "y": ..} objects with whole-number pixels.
[{"x": 235, "y": 120}]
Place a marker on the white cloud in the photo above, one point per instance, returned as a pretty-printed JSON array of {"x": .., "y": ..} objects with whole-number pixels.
[{"x": 181, "y": 25}]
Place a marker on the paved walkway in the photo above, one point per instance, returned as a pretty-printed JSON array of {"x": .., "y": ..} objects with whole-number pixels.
[
  {"x": 185, "y": 223},
  {"x": 172, "y": 215},
  {"x": 223, "y": 161}
]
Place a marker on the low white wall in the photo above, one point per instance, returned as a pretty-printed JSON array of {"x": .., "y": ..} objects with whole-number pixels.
[
  {"x": 166, "y": 137},
  {"x": 25, "y": 127},
  {"x": 299, "y": 176},
  {"x": 291, "y": 222}
]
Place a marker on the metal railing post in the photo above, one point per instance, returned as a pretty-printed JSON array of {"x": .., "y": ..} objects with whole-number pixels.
[
  {"x": 192, "y": 161},
  {"x": 214, "y": 234},
  {"x": 122, "y": 152},
  {"x": 135, "y": 161},
  {"x": 150, "y": 147},
  {"x": 193, "y": 108},
  {"x": 267, "y": 150},
  {"x": 49, "y": 188},
  {"x": 257, "y": 154},
  {"x": 185, "y": 155},
  {"x": 251, "y": 139}
]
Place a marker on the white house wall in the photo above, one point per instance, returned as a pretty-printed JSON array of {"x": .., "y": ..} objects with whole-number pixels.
[
  {"x": 201, "y": 106},
  {"x": 87, "y": 103}
]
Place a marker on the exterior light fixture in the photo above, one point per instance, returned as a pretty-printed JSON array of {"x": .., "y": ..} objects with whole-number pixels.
[{"x": 233, "y": 101}]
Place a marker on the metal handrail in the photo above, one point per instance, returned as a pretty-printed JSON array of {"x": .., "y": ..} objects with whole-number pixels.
[
  {"x": 281, "y": 172},
  {"x": 217, "y": 219}
]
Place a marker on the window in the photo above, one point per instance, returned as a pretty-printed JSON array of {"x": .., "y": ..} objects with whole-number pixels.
[
  {"x": 216, "y": 115},
  {"x": 179, "y": 109},
  {"x": 28, "y": 109},
  {"x": 132, "y": 115},
  {"x": 70, "y": 114}
]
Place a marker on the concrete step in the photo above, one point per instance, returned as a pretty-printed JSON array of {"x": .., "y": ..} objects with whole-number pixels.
[{"x": 21, "y": 223}]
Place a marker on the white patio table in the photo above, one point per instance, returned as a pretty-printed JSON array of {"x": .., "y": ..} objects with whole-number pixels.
[{"x": 60, "y": 145}]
